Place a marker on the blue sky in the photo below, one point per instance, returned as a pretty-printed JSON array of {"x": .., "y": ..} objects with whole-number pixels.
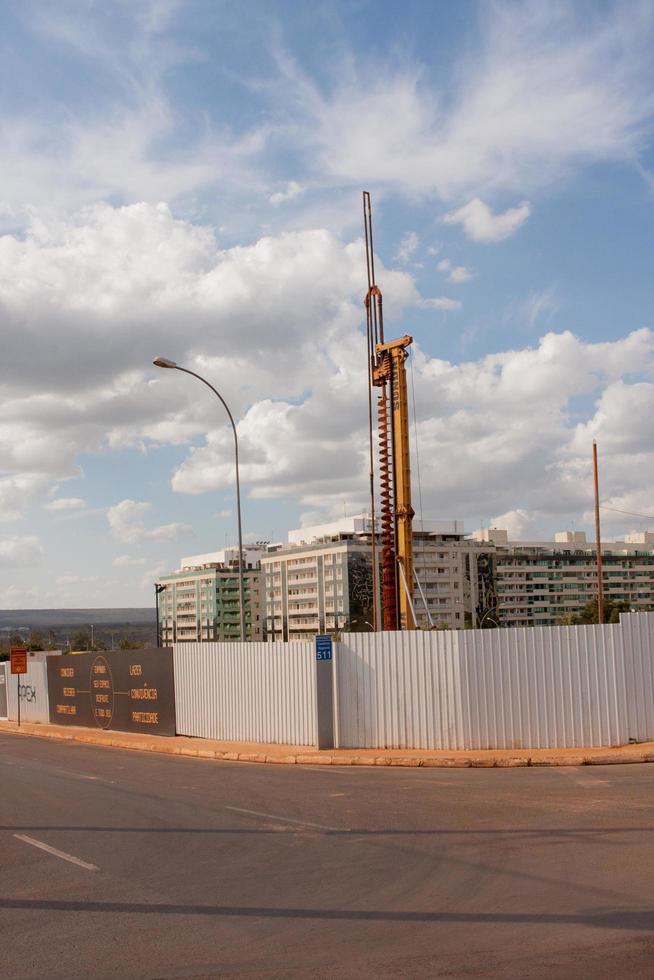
[{"x": 184, "y": 178}]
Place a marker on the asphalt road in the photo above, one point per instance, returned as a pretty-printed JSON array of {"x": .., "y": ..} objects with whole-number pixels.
[{"x": 201, "y": 869}]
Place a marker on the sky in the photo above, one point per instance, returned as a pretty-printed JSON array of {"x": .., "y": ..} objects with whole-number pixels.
[{"x": 184, "y": 179}]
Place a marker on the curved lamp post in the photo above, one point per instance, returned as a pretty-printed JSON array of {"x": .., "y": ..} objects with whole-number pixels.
[
  {"x": 487, "y": 613},
  {"x": 164, "y": 362}
]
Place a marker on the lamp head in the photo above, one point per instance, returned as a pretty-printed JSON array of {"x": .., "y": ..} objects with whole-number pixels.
[{"x": 164, "y": 362}]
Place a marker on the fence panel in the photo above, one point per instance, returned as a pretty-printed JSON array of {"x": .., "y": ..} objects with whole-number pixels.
[
  {"x": 399, "y": 690},
  {"x": 639, "y": 673},
  {"x": 246, "y": 692},
  {"x": 537, "y": 687},
  {"x": 33, "y": 688},
  {"x": 3, "y": 690}
]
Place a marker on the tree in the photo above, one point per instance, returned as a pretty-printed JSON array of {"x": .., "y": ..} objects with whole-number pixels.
[
  {"x": 36, "y": 640},
  {"x": 127, "y": 644},
  {"x": 569, "y": 619},
  {"x": 80, "y": 640},
  {"x": 611, "y": 610}
]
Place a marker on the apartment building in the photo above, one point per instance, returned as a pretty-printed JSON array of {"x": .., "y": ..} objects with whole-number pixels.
[
  {"x": 321, "y": 580},
  {"x": 536, "y": 583},
  {"x": 200, "y": 601}
]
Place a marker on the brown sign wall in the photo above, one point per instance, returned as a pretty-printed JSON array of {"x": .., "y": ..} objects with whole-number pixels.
[{"x": 127, "y": 690}]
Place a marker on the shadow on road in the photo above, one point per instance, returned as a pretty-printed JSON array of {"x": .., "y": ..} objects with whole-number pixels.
[
  {"x": 639, "y": 919},
  {"x": 519, "y": 833}
]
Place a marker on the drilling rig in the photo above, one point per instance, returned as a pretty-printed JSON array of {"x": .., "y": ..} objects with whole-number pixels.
[{"x": 387, "y": 374}]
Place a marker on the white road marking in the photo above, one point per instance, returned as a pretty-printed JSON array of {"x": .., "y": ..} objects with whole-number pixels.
[
  {"x": 274, "y": 816},
  {"x": 582, "y": 778},
  {"x": 81, "y": 775},
  {"x": 56, "y": 853}
]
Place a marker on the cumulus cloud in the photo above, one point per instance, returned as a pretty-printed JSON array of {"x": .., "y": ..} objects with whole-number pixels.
[
  {"x": 21, "y": 552},
  {"x": 408, "y": 245},
  {"x": 138, "y": 281},
  {"x": 520, "y": 524},
  {"x": 17, "y": 491},
  {"x": 441, "y": 303},
  {"x": 65, "y": 504},
  {"x": 126, "y": 521},
  {"x": 495, "y": 434},
  {"x": 455, "y": 273},
  {"x": 500, "y": 433},
  {"x": 480, "y": 224},
  {"x": 292, "y": 190}
]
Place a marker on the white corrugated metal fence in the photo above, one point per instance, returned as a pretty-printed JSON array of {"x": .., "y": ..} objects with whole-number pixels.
[
  {"x": 33, "y": 689},
  {"x": 539, "y": 687},
  {"x": 246, "y": 692}
]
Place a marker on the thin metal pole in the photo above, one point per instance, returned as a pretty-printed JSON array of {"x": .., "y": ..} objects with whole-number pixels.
[
  {"x": 367, "y": 222},
  {"x": 238, "y": 494},
  {"x": 407, "y": 591},
  {"x": 598, "y": 541},
  {"x": 422, "y": 595},
  {"x": 18, "y": 696}
]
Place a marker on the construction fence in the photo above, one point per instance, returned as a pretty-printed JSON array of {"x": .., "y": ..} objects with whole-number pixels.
[
  {"x": 538, "y": 687},
  {"x": 32, "y": 690}
]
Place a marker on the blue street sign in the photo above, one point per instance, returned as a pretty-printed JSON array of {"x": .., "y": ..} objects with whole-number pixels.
[{"x": 324, "y": 648}]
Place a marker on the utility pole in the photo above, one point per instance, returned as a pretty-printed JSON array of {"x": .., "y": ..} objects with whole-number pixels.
[
  {"x": 158, "y": 589},
  {"x": 598, "y": 542}
]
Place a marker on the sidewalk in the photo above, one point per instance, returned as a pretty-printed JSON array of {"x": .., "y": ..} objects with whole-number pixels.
[{"x": 306, "y": 755}]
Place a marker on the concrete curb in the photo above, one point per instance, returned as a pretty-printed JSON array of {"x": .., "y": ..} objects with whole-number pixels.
[{"x": 287, "y": 755}]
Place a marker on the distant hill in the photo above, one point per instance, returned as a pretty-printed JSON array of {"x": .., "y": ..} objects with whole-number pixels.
[{"x": 51, "y": 618}]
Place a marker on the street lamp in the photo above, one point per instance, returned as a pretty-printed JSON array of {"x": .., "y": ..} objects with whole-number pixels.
[
  {"x": 488, "y": 611},
  {"x": 164, "y": 362}
]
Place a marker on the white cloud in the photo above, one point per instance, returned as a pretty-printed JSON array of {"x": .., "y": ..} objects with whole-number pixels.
[
  {"x": 65, "y": 504},
  {"x": 550, "y": 88},
  {"x": 408, "y": 245},
  {"x": 20, "y": 552},
  {"x": 520, "y": 524},
  {"x": 480, "y": 224},
  {"x": 455, "y": 274},
  {"x": 495, "y": 434},
  {"x": 18, "y": 596},
  {"x": 131, "y": 142},
  {"x": 293, "y": 190},
  {"x": 127, "y": 561},
  {"x": 441, "y": 303},
  {"x": 126, "y": 521},
  {"x": 539, "y": 306},
  {"x": 17, "y": 492},
  {"x": 131, "y": 278}
]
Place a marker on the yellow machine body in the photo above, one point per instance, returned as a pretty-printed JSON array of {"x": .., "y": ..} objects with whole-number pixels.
[{"x": 391, "y": 361}]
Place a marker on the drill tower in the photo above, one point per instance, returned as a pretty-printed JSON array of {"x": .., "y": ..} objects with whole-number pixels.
[{"x": 386, "y": 373}]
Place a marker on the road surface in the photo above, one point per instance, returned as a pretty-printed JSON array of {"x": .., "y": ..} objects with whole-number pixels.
[{"x": 120, "y": 864}]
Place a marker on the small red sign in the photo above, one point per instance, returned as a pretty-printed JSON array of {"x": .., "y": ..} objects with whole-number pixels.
[{"x": 18, "y": 656}]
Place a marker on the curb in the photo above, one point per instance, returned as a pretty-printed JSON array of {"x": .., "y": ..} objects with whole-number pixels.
[{"x": 623, "y": 755}]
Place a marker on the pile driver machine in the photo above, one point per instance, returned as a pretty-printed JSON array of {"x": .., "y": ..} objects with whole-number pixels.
[{"x": 387, "y": 373}]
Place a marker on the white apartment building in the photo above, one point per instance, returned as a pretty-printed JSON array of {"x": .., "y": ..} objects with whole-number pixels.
[
  {"x": 536, "y": 583},
  {"x": 321, "y": 581}
]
